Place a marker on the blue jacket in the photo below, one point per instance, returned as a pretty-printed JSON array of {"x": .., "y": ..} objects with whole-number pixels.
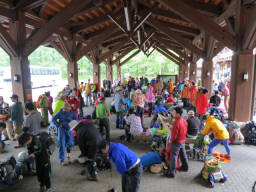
[
  {"x": 122, "y": 157},
  {"x": 119, "y": 102},
  {"x": 64, "y": 118},
  {"x": 150, "y": 159}
]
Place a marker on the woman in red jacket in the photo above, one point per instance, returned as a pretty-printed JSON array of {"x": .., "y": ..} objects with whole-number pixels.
[
  {"x": 202, "y": 104},
  {"x": 74, "y": 103}
]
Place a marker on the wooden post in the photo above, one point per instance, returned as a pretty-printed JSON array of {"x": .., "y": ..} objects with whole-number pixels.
[
  {"x": 181, "y": 72},
  {"x": 192, "y": 71},
  {"x": 241, "y": 96},
  {"x": 186, "y": 70},
  {"x": 72, "y": 74},
  {"x": 20, "y": 69},
  {"x": 109, "y": 71},
  {"x": 207, "y": 75},
  {"x": 96, "y": 73},
  {"x": 118, "y": 70}
]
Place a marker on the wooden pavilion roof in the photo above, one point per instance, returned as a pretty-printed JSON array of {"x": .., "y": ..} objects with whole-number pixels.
[{"x": 186, "y": 27}]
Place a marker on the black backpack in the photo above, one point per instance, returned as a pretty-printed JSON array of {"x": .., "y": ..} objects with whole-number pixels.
[{"x": 47, "y": 142}]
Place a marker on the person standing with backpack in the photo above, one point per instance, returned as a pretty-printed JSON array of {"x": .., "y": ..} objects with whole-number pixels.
[
  {"x": 39, "y": 151},
  {"x": 88, "y": 92},
  {"x": 65, "y": 137},
  {"x": 43, "y": 104}
]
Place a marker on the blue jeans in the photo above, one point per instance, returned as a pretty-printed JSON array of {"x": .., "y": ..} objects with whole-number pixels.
[
  {"x": 216, "y": 142},
  {"x": 65, "y": 139}
]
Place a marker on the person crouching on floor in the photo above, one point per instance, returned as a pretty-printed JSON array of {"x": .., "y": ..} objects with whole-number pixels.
[
  {"x": 221, "y": 134},
  {"x": 88, "y": 139},
  {"x": 127, "y": 164},
  {"x": 43, "y": 164}
]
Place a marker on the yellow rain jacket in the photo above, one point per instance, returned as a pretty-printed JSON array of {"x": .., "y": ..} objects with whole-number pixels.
[
  {"x": 216, "y": 127},
  {"x": 88, "y": 88}
]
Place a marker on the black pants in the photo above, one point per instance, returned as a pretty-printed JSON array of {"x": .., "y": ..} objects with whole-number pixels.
[
  {"x": 139, "y": 111},
  {"x": 150, "y": 108},
  {"x": 131, "y": 179},
  {"x": 104, "y": 123},
  {"x": 185, "y": 102},
  {"x": 178, "y": 149},
  {"x": 44, "y": 173}
]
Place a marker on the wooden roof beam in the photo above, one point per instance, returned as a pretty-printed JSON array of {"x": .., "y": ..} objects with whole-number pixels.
[
  {"x": 166, "y": 55},
  {"x": 202, "y": 21},
  {"x": 53, "y": 25},
  {"x": 178, "y": 58},
  {"x": 250, "y": 32},
  {"x": 7, "y": 13},
  {"x": 113, "y": 50},
  {"x": 96, "y": 41},
  {"x": 123, "y": 54},
  {"x": 176, "y": 37},
  {"x": 181, "y": 28},
  {"x": 26, "y": 5},
  {"x": 91, "y": 23},
  {"x": 8, "y": 42},
  {"x": 130, "y": 57}
]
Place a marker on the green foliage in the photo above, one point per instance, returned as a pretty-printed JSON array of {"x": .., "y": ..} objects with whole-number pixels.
[{"x": 140, "y": 65}]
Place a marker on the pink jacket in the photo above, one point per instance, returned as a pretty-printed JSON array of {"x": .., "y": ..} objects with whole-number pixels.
[
  {"x": 140, "y": 100},
  {"x": 150, "y": 95}
]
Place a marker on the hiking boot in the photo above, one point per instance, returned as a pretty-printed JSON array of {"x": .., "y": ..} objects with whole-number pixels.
[
  {"x": 42, "y": 189},
  {"x": 170, "y": 175},
  {"x": 50, "y": 190},
  {"x": 227, "y": 157},
  {"x": 92, "y": 178},
  {"x": 183, "y": 169}
]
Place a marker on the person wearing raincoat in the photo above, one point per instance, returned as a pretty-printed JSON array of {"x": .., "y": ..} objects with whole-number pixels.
[
  {"x": 43, "y": 104},
  {"x": 65, "y": 137}
]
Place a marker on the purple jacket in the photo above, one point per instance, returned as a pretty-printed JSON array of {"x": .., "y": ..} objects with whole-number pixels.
[{"x": 150, "y": 95}]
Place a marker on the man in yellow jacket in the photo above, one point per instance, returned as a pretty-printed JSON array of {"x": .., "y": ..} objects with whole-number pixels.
[{"x": 221, "y": 134}]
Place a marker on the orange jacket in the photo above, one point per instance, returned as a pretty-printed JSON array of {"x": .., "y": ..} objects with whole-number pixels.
[
  {"x": 185, "y": 93},
  {"x": 192, "y": 93},
  {"x": 171, "y": 86}
]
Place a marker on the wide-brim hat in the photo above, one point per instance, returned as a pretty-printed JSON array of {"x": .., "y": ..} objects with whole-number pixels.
[
  {"x": 73, "y": 124},
  {"x": 66, "y": 106},
  {"x": 119, "y": 89},
  {"x": 138, "y": 91}
]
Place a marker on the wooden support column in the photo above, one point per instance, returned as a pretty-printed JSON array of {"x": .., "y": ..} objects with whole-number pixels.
[
  {"x": 192, "y": 71},
  {"x": 118, "y": 70},
  {"x": 96, "y": 73},
  {"x": 186, "y": 70},
  {"x": 20, "y": 68},
  {"x": 72, "y": 74},
  {"x": 181, "y": 72},
  {"x": 241, "y": 97},
  {"x": 109, "y": 70},
  {"x": 207, "y": 75}
]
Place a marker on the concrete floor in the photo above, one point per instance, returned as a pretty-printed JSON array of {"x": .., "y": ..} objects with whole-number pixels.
[{"x": 241, "y": 173}]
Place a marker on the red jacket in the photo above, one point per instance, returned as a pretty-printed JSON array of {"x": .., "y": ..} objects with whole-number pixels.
[
  {"x": 201, "y": 104},
  {"x": 192, "y": 93},
  {"x": 74, "y": 105},
  {"x": 170, "y": 99},
  {"x": 179, "y": 130}
]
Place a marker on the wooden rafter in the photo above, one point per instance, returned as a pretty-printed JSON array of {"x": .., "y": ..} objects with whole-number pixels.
[
  {"x": 123, "y": 54},
  {"x": 7, "y": 13},
  {"x": 65, "y": 47},
  {"x": 167, "y": 56},
  {"x": 89, "y": 24},
  {"x": 129, "y": 58},
  {"x": 249, "y": 35},
  {"x": 58, "y": 48},
  {"x": 178, "y": 58},
  {"x": 10, "y": 44},
  {"x": 96, "y": 41},
  {"x": 176, "y": 37},
  {"x": 26, "y": 5},
  {"x": 50, "y": 27},
  {"x": 113, "y": 50},
  {"x": 204, "y": 23}
]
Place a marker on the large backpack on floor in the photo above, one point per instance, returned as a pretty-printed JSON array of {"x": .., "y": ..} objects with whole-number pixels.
[{"x": 8, "y": 174}]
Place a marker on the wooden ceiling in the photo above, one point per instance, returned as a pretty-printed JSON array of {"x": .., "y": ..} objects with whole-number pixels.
[{"x": 187, "y": 27}]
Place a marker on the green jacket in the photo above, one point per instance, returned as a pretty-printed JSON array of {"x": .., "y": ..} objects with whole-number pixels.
[
  {"x": 58, "y": 106},
  {"x": 17, "y": 113},
  {"x": 43, "y": 102}
]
